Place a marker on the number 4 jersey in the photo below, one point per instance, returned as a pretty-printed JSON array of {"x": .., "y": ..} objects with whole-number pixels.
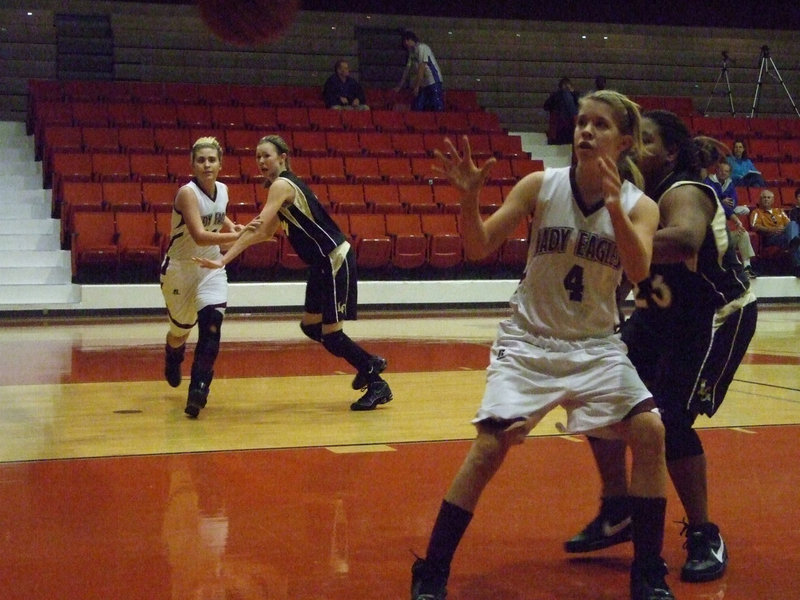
[{"x": 573, "y": 266}]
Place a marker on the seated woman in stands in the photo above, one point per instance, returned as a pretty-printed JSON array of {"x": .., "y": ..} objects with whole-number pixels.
[{"x": 743, "y": 171}]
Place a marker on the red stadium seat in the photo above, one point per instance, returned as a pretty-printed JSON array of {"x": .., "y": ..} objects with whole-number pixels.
[
  {"x": 149, "y": 167},
  {"x": 445, "y": 249},
  {"x": 343, "y": 143},
  {"x": 122, "y": 196},
  {"x": 410, "y": 247},
  {"x": 138, "y": 242},
  {"x": 134, "y": 140},
  {"x": 94, "y": 243},
  {"x": 373, "y": 246}
]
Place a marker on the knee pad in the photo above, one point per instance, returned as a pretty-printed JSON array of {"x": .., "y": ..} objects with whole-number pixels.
[
  {"x": 681, "y": 442},
  {"x": 313, "y": 331},
  {"x": 209, "y": 325}
]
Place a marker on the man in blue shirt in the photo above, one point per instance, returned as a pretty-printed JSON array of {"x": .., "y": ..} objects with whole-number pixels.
[{"x": 342, "y": 91}]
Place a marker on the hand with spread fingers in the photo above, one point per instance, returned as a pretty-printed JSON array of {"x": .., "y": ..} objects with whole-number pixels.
[
  {"x": 612, "y": 182},
  {"x": 460, "y": 170}
]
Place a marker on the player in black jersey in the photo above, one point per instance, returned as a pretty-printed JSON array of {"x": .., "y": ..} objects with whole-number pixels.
[
  {"x": 692, "y": 323},
  {"x": 332, "y": 284}
]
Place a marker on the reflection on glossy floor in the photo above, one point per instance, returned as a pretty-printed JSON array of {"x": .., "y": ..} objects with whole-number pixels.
[{"x": 279, "y": 491}]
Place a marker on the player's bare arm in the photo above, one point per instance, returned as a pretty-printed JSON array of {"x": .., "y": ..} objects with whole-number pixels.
[
  {"x": 260, "y": 229},
  {"x": 685, "y": 214},
  {"x": 186, "y": 205},
  {"x": 483, "y": 237}
]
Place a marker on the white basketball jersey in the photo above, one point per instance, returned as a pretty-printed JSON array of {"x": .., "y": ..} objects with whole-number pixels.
[
  {"x": 212, "y": 212},
  {"x": 573, "y": 267}
]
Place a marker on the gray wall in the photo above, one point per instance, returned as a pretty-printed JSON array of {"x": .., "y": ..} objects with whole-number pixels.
[{"x": 513, "y": 65}]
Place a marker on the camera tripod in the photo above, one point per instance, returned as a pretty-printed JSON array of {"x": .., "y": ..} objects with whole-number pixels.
[
  {"x": 766, "y": 62},
  {"x": 722, "y": 74}
]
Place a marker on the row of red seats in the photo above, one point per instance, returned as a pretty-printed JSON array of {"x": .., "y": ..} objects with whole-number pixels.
[
  {"x": 247, "y": 199},
  {"x": 784, "y": 195},
  {"x": 259, "y": 118},
  {"x": 746, "y": 127},
  {"x": 337, "y": 198},
  {"x": 767, "y": 149},
  {"x": 242, "y": 142},
  {"x": 57, "y": 128},
  {"x": 115, "y": 239},
  {"x": 780, "y": 174},
  {"x": 145, "y": 92},
  {"x": 108, "y": 167},
  {"x": 683, "y": 106}
]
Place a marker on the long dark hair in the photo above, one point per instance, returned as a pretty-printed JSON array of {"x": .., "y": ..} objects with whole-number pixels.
[
  {"x": 744, "y": 148},
  {"x": 693, "y": 153}
]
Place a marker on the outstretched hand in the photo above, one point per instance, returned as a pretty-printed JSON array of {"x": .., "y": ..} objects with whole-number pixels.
[
  {"x": 460, "y": 170},
  {"x": 208, "y": 263},
  {"x": 612, "y": 182}
]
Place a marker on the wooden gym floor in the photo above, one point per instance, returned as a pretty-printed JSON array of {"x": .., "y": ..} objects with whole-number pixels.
[{"x": 278, "y": 491}]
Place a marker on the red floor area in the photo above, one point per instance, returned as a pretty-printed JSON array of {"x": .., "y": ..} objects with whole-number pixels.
[
  {"x": 313, "y": 525},
  {"x": 63, "y": 362},
  {"x": 29, "y": 362}
]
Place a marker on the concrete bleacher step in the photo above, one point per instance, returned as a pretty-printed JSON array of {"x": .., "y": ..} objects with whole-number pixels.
[
  {"x": 29, "y": 226},
  {"x": 44, "y": 259},
  {"x": 34, "y": 271},
  {"x": 26, "y": 204},
  {"x": 535, "y": 144},
  {"x": 38, "y": 276},
  {"x": 28, "y": 241},
  {"x": 27, "y": 296},
  {"x": 19, "y": 181}
]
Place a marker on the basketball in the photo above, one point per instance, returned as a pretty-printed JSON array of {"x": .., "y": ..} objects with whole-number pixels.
[{"x": 248, "y": 22}]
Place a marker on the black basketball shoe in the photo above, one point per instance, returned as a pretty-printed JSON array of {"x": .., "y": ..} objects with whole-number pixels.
[
  {"x": 648, "y": 583},
  {"x": 377, "y": 365},
  {"x": 427, "y": 582},
  {"x": 378, "y": 392},
  {"x": 601, "y": 533},
  {"x": 198, "y": 395},
  {"x": 707, "y": 554}
]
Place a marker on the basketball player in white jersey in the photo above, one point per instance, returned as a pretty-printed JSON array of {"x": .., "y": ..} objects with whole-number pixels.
[
  {"x": 195, "y": 295},
  {"x": 332, "y": 286},
  {"x": 559, "y": 346}
]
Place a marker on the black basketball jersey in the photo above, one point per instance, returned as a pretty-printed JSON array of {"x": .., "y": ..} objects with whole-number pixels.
[
  {"x": 680, "y": 290},
  {"x": 312, "y": 232}
]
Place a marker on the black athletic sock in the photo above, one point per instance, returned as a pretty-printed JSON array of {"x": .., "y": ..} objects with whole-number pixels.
[
  {"x": 615, "y": 508},
  {"x": 647, "y": 528},
  {"x": 451, "y": 523},
  {"x": 339, "y": 344},
  {"x": 175, "y": 355}
]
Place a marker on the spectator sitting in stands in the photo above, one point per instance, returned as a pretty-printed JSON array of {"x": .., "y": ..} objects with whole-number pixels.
[
  {"x": 729, "y": 193},
  {"x": 740, "y": 237},
  {"x": 341, "y": 91},
  {"x": 776, "y": 229},
  {"x": 794, "y": 212},
  {"x": 563, "y": 108},
  {"x": 743, "y": 171}
]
